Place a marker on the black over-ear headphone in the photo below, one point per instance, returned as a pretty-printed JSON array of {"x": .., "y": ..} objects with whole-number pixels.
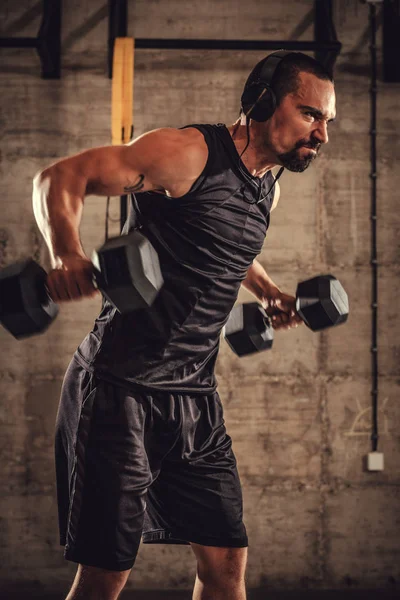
[{"x": 258, "y": 98}]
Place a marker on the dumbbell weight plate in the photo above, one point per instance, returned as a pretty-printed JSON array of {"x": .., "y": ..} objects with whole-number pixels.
[
  {"x": 25, "y": 307},
  {"x": 322, "y": 302},
  {"x": 127, "y": 271},
  {"x": 248, "y": 329}
]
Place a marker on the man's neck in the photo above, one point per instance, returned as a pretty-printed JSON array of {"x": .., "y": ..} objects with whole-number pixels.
[{"x": 257, "y": 159}]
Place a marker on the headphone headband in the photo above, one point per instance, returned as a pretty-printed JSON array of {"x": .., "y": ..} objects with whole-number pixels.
[
  {"x": 258, "y": 99},
  {"x": 271, "y": 64}
]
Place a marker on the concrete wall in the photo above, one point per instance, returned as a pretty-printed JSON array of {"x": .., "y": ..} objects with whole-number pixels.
[{"x": 300, "y": 415}]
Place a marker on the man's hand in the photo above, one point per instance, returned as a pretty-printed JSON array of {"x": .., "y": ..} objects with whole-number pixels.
[
  {"x": 72, "y": 279},
  {"x": 281, "y": 309}
]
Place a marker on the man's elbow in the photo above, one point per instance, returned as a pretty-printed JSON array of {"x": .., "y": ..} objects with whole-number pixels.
[{"x": 41, "y": 177}]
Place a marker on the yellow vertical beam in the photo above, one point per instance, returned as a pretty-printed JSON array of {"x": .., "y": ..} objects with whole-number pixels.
[{"x": 122, "y": 91}]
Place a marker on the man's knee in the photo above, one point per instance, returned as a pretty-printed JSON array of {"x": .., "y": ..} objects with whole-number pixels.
[
  {"x": 215, "y": 563},
  {"x": 96, "y": 583}
]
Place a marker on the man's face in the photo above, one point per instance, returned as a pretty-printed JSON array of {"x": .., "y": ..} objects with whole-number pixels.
[{"x": 299, "y": 125}]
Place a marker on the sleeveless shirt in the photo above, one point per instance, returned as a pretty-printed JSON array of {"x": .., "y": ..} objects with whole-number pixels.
[{"x": 206, "y": 240}]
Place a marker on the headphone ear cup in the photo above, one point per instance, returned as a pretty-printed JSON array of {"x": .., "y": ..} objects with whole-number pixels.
[{"x": 263, "y": 108}]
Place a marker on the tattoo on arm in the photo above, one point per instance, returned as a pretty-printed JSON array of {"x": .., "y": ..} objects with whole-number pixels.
[{"x": 135, "y": 187}]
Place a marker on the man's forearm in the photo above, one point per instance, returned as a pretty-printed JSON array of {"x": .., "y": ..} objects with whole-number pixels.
[
  {"x": 57, "y": 205},
  {"x": 258, "y": 282}
]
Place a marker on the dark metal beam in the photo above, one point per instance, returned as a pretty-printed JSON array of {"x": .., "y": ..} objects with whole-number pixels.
[
  {"x": 15, "y": 42},
  {"x": 391, "y": 40},
  {"x": 190, "y": 44},
  {"x": 325, "y": 46},
  {"x": 117, "y": 27},
  {"x": 48, "y": 41},
  {"x": 325, "y": 34}
]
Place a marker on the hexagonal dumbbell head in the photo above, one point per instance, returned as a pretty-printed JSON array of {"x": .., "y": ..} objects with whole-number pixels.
[
  {"x": 248, "y": 329},
  {"x": 127, "y": 271},
  {"x": 25, "y": 307},
  {"x": 322, "y": 302}
]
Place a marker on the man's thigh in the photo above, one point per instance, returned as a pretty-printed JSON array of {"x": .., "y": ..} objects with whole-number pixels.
[{"x": 197, "y": 496}]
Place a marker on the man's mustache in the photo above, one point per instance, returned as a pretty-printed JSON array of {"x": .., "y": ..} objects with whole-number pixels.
[{"x": 315, "y": 145}]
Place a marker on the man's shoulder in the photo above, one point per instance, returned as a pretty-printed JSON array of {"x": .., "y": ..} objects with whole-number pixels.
[
  {"x": 176, "y": 157},
  {"x": 189, "y": 145},
  {"x": 193, "y": 137},
  {"x": 171, "y": 143}
]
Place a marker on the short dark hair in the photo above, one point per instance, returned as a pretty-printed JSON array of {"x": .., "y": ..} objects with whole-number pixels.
[{"x": 285, "y": 79}]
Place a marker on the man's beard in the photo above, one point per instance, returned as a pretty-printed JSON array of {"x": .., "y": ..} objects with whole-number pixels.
[{"x": 292, "y": 161}]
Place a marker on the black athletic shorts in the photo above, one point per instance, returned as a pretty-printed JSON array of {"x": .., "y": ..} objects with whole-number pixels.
[{"x": 132, "y": 465}]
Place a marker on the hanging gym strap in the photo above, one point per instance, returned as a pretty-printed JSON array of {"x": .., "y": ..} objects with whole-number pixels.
[{"x": 122, "y": 106}]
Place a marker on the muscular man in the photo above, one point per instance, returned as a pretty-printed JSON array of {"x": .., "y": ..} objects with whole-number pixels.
[{"x": 141, "y": 446}]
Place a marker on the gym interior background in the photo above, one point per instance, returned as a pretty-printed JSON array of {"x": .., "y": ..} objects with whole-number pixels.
[{"x": 301, "y": 415}]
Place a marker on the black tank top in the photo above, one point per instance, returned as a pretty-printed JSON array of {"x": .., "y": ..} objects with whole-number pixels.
[{"x": 206, "y": 241}]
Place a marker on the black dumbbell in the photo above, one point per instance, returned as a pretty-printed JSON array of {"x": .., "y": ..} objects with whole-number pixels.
[
  {"x": 321, "y": 302},
  {"x": 126, "y": 270},
  {"x": 248, "y": 329}
]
